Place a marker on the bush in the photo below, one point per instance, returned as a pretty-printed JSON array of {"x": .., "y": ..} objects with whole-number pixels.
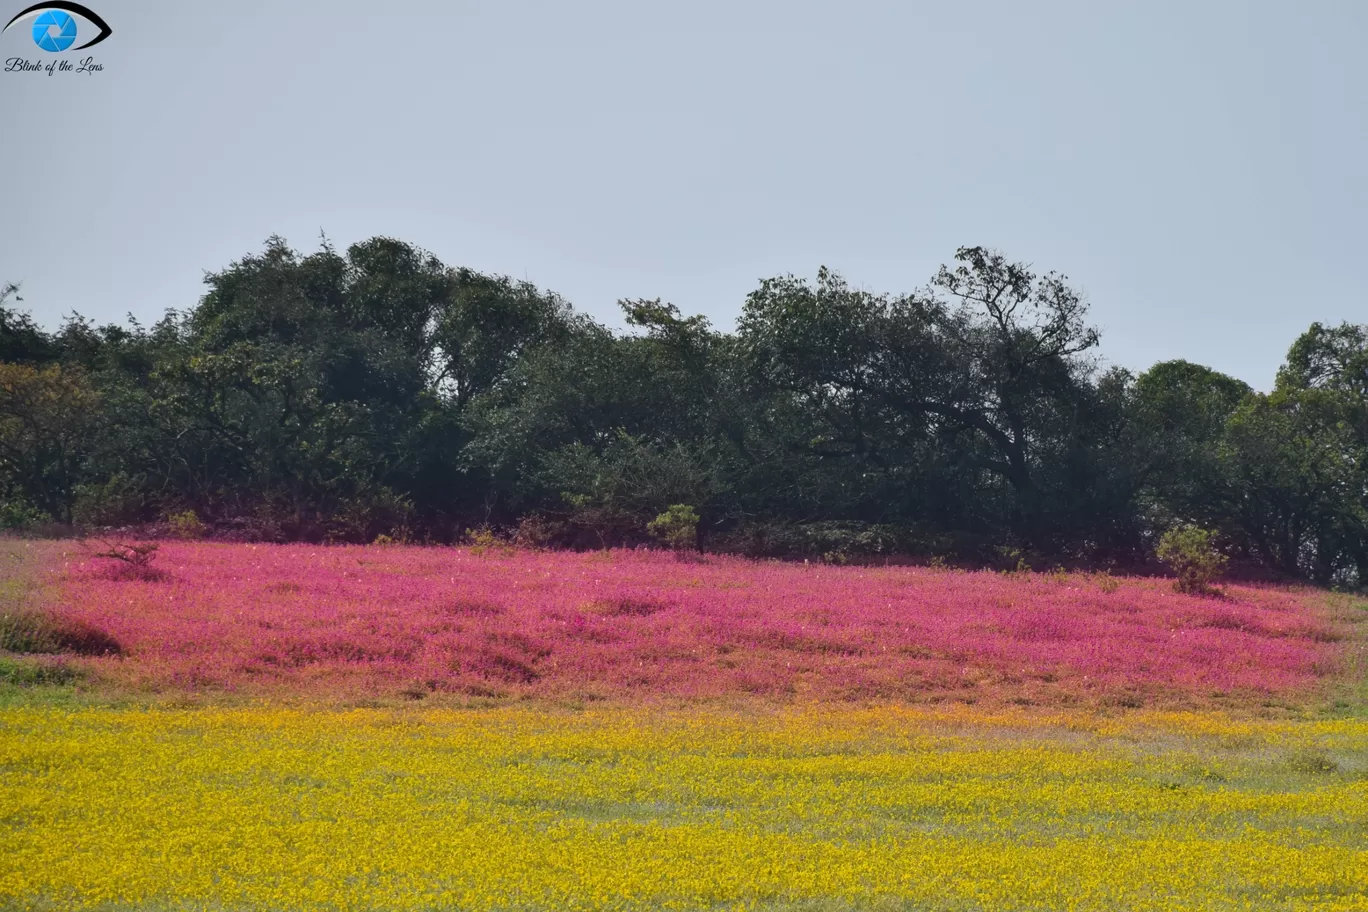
[
  {"x": 134, "y": 561},
  {"x": 536, "y": 532},
  {"x": 379, "y": 511},
  {"x": 1012, "y": 560},
  {"x": 833, "y": 542},
  {"x": 401, "y": 536},
  {"x": 484, "y": 541},
  {"x": 186, "y": 525},
  {"x": 1106, "y": 582},
  {"x": 1190, "y": 551},
  {"x": 16, "y": 514},
  {"x": 1059, "y": 576},
  {"x": 676, "y": 527},
  {"x": 607, "y": 524}
]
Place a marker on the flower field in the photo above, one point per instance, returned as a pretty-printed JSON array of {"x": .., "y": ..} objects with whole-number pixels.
[
  {"x": 510, "y": 808},
  {"x": 368, "y": 622},
  {"x": 307, "y": 728}
]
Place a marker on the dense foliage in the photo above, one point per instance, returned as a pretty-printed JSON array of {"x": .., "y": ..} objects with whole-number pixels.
[{"x": 341, "y": 396}]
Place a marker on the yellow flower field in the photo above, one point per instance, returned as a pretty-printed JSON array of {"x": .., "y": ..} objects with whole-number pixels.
[{"x": 701, "y": 808}]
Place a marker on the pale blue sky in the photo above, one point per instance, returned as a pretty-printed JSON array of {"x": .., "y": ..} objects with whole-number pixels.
[{"x": 1198, "y": 169}]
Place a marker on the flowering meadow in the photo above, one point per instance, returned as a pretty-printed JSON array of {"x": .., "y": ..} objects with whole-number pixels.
[
  {"x": 367, "y": 622},
  {"x": 353, "y": 728},
  {"x": 518, "y": 809}
]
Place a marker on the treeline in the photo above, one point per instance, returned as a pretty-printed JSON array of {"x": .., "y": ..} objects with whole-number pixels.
[{"x": 342, "y": 396}]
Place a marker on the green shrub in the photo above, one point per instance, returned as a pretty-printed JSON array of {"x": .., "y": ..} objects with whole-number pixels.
[
  {"x": 484, "y": 541},
  {"x": 1190, "y": 551},
  {"x": 31, "y": 672},
  {"x": 186, "y": 525},
  {"x": 1013, "y": 559},
  {"x": 16, "y": 514},
  {"x": 676, "y": 527}
]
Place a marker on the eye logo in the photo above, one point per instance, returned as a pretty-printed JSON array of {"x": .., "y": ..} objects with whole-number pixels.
[{"x": 55, "y": 30}]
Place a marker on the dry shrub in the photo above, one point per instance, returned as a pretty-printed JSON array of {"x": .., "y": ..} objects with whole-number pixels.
[
  {"x": 133, "y": 561},
  {"x": 484, "y": 541},
  {"x": 536, "y": 533}
]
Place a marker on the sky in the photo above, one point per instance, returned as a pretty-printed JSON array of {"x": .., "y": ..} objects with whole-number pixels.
[{"x": 1198, "y": 170}]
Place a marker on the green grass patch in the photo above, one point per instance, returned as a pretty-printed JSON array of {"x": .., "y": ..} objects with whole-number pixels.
[
  {"x": 27, "y": 631},
  {"x": 27, "y": 671},
  {"x": 1347, "y": 693}
]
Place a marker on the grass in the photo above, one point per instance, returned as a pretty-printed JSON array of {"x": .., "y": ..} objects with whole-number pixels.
[
  {"x": 1347, "y": 690},
  {"x": 32, "y": 670},
  {"x": 24, "y": 626}
]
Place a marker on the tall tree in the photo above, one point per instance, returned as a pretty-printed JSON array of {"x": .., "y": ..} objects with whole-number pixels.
[
  {"x": 987, "y": 364},
  {"x": 21, "y": 340},
  {"x": 47, "y": 422}
]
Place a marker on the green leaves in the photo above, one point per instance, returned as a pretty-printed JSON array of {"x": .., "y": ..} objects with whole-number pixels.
[
  {"x": 338, "y": 394},
  {"x": 676, "y": 527},
  {"x": 1190, "y": 551}
]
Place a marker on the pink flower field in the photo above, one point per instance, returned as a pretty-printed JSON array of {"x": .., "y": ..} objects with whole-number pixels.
[{"x": 375, "y": 622}]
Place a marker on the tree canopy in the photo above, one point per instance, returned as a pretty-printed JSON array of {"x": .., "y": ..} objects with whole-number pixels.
[{"x": 339, "y": 395}]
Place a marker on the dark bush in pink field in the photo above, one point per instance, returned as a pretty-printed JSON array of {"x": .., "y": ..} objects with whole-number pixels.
[{"x": 355, "y": 621}]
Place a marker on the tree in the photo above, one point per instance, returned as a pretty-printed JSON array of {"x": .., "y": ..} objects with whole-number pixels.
[
  {"x": 987, "y": 364},
  {"x": 341, "y": 393},
  {"x": 1298, "y": 460},
  {"x": 1177, "y": 415},
  {"x": 484, "y": 325},
  {"x": 21, "y": 341},
  {"x": 48, "y": 417}
]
